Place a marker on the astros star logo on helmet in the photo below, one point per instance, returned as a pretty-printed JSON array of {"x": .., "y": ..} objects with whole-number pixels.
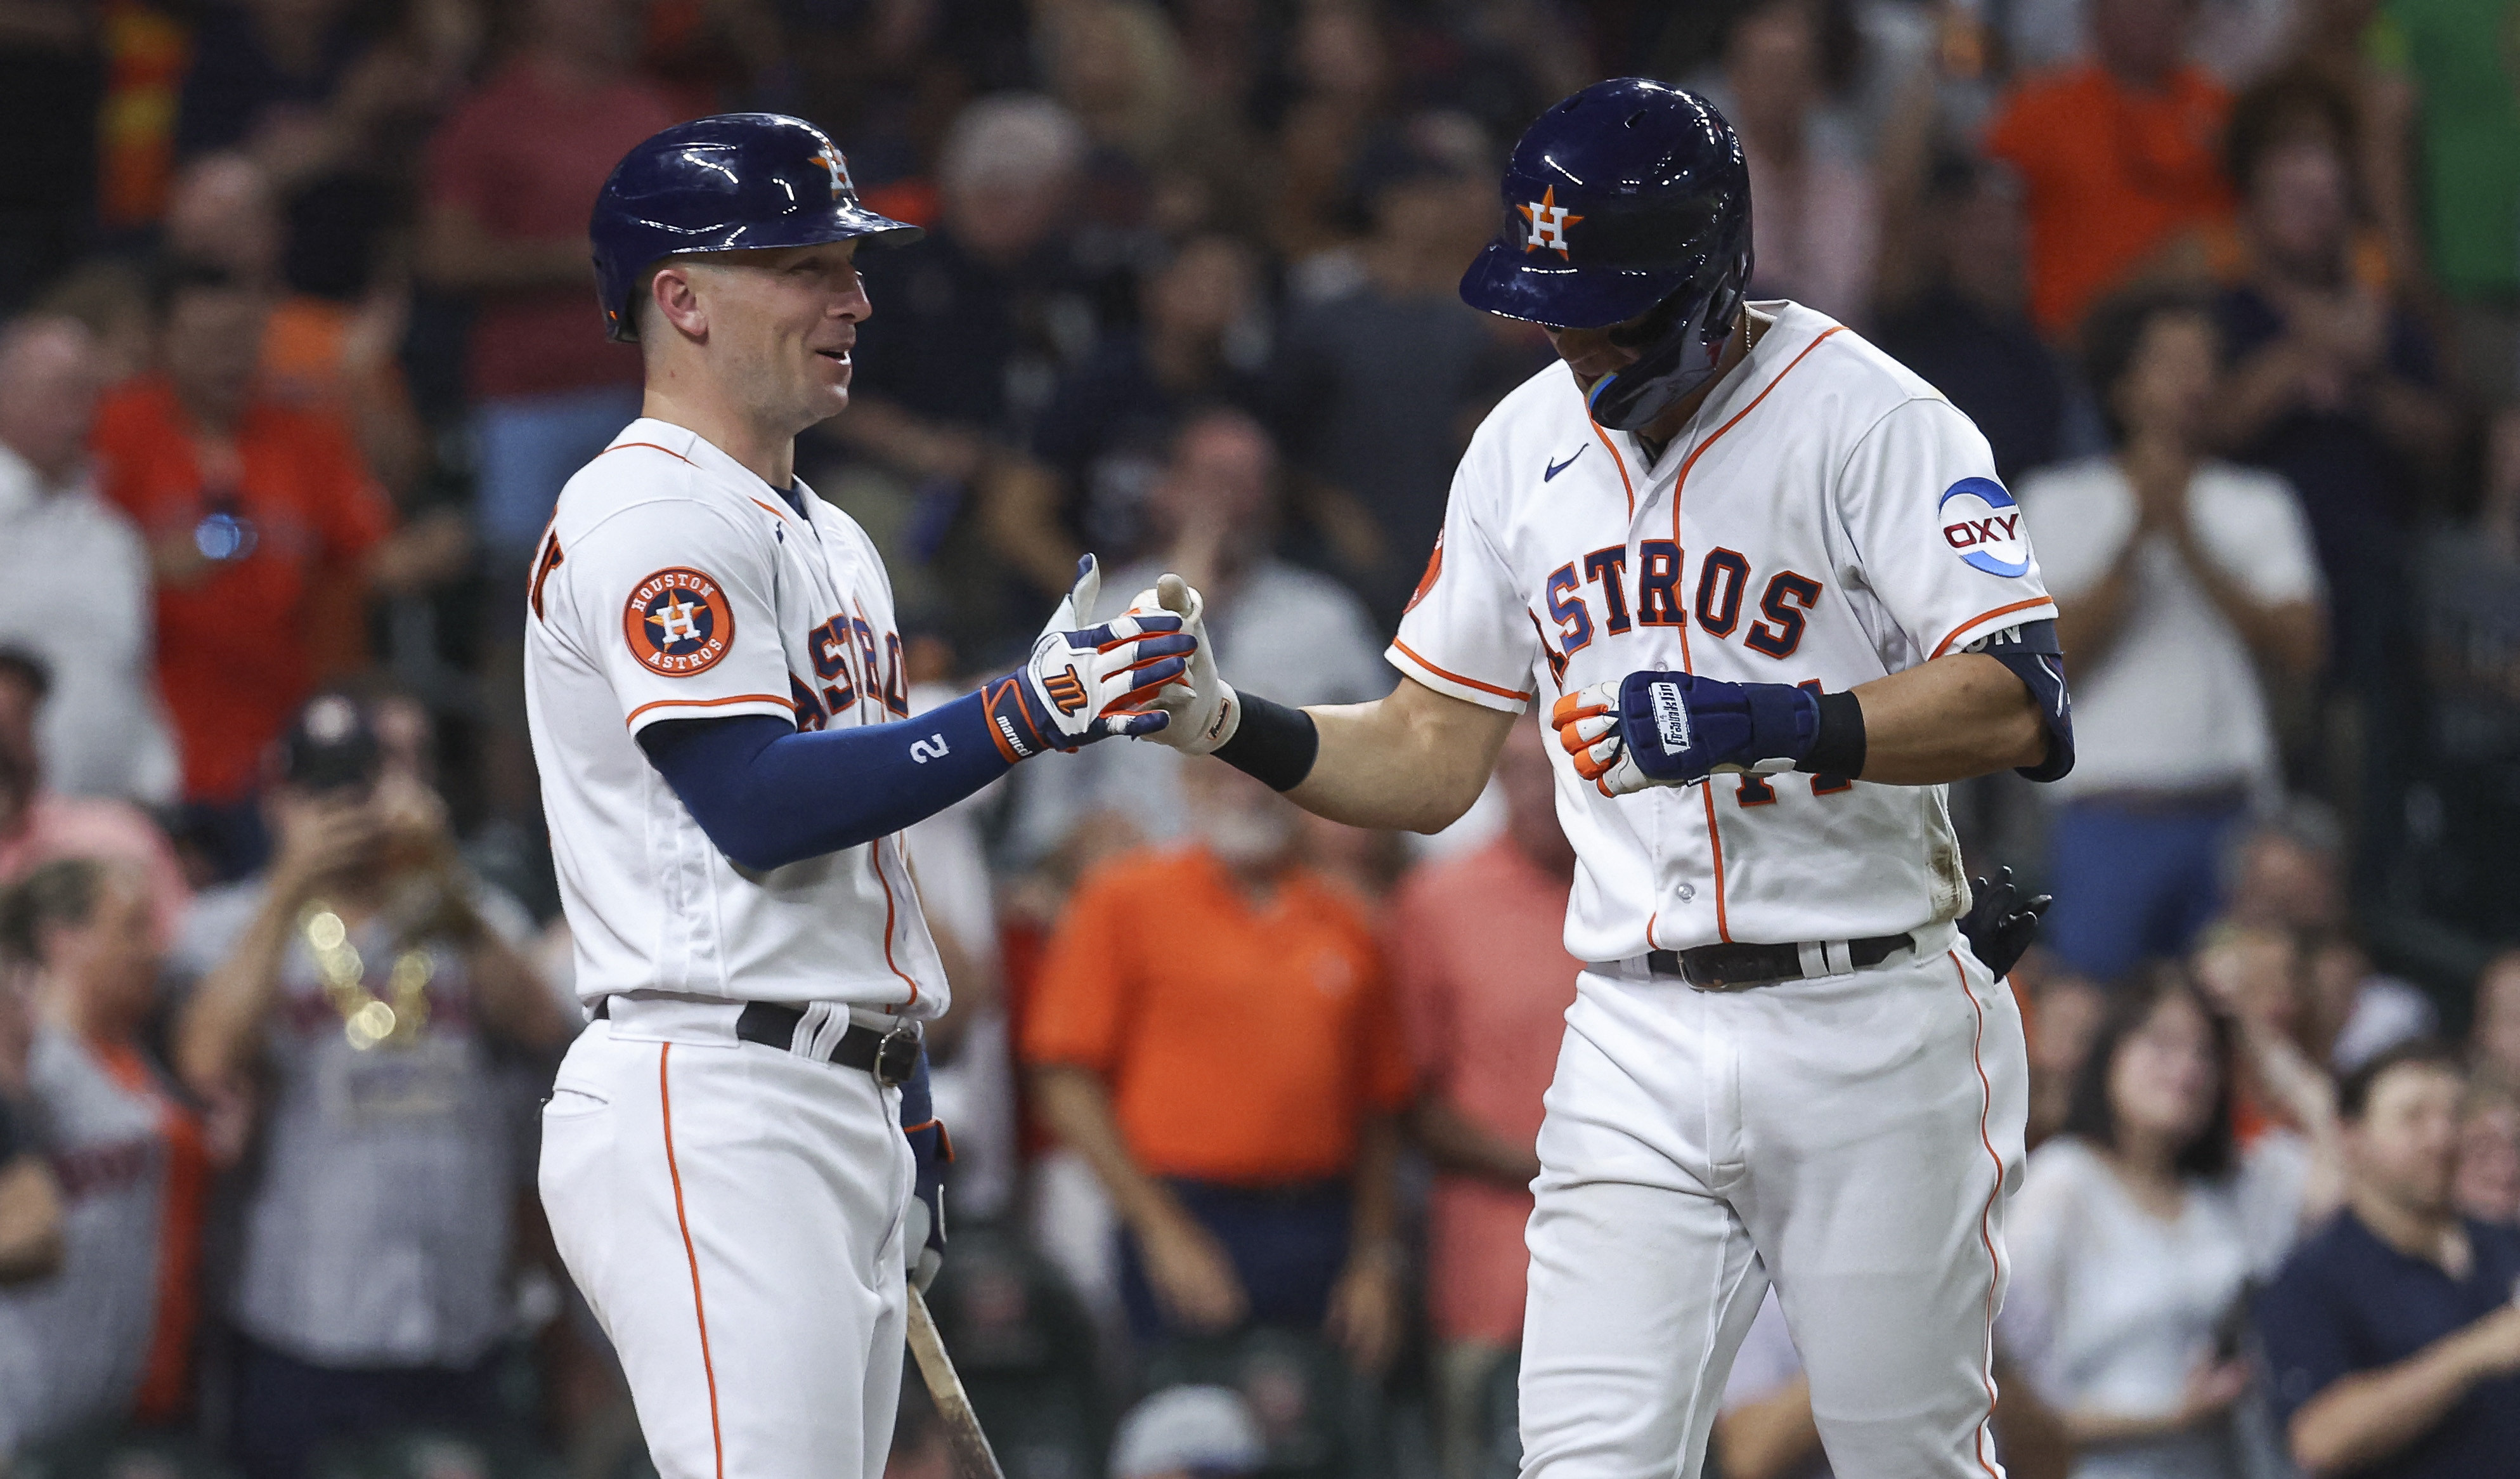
[
  {"x": 839, "y": 170},
  {"x": 1548, "y": 223}
]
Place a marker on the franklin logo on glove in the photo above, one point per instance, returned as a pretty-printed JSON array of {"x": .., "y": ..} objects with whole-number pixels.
[{"x": 1671, "y": 716}]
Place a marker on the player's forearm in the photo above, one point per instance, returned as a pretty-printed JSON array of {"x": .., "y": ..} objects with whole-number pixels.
[
  {"x": 1948, "y": 720},
  {"x": 2372, "y": 1415},
  {"x": 767, "y": 795},
  {"x": 230, "y": 1003},
  {"x": 1455, "y": 1143},
  {"x": 1077, "y": 1107},
  {"x": 1414, "y": 760},
  {"x": 1771, "y": 1437}
]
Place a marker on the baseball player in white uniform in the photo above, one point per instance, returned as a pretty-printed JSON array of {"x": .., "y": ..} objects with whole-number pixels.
[
  {"x": 1768, "y": 592},
  {"x": 718, "y": 707}
]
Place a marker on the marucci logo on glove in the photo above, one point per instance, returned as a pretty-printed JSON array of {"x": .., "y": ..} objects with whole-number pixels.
[
  {"x": 1065, "y": 690},
  {"x": 1671, "y": 716}
]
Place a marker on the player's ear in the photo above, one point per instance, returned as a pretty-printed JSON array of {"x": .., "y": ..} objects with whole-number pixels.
[{"x": 676, "y": 299}]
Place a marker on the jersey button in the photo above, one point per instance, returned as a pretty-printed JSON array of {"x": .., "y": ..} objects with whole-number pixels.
[{"x": 1688, "y": 891}]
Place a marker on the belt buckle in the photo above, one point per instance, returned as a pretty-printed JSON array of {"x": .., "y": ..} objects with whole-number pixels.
[{"x": 896, "y": 1056}]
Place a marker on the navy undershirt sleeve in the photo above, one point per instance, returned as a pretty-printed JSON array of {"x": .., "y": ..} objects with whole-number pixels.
[{"x": 768, "y": 795}]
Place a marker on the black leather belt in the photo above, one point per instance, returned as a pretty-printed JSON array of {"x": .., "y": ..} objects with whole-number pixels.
[
  {"x": 892, "y": 1056},
  {"x": 1738, "y": 967}
]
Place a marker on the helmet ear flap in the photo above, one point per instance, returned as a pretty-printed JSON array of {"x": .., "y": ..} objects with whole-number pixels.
[{"x": 1680, "y": 346}]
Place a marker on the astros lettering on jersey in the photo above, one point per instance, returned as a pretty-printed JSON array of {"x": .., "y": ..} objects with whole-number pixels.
[
  {"x": 675, "y": 584},
  {"x": 1873, "y": 538}
]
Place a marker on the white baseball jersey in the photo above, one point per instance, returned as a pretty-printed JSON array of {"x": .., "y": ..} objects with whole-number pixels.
[
  {"x": 675, "y": 584},
  {"x": 1825, "y": 517}
]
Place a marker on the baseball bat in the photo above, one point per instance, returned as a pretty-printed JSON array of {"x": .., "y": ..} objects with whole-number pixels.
[{"x": 973, "y": 1458}]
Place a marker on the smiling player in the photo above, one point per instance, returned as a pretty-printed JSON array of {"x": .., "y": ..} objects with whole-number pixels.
[
  {"x": 719, "y": 710},
  {"x": 1775, "y": 597}
]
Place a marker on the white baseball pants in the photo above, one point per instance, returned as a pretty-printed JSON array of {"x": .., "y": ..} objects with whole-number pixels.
[
  {"x": 734, "y": 1213},
  {"x": 1850, "y": 1139}
]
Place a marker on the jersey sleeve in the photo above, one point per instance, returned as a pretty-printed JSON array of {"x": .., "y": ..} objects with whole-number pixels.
[
  {"x": 1939, "y": 539},
  {"x": 1465, "y": 632},
  {"x": 677, "y": 603}
]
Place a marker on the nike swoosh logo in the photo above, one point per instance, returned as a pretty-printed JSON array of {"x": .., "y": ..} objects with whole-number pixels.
[{"x": 1557, "y": 468}]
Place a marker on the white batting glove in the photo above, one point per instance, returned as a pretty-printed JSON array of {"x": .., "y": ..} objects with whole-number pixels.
[
  {"x": 1588, "y": 727},
  {"x": 1206, "y": 711}
]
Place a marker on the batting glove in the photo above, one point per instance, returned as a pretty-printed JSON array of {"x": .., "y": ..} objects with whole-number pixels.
[
  {"x": 1086, "y": 683},
  {"x": 1677, "y": 729},
  {"x": 2000, "y": 925},
  {"x": 1209, "y": 710},
  {"x": 922, "y": 1232}
]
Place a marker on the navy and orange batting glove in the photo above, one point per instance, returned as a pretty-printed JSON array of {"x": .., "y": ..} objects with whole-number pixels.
[
  {"x": 1089, "y": 682},
  {"x": 1677, "y": 729}
]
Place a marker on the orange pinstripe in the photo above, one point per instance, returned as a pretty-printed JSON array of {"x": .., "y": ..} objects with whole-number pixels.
[
  {"x": 1945, "y": 644},
  {"x": 1715, "y": 834},
  {"x": 700, "y": 1310},
  {"x": 1986, "y": 1214},
  {"x": 1619, "y": 462},
  {"x": 789, "y": 704},
  {"x": 652, "y": 446},
  {"x": 1520, "y": 696},
  {"x": 875, "y": 855}
]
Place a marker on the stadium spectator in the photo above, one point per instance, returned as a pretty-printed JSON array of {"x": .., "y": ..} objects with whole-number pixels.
[
  {"x": 1211, "y": 1029},
  {"x": 2487, "y": 1184},
  {"x": 1952, "y": 310},
  {"x": 1376, "y": 388},
  {"x": 1187, "y": 1432},
  {"x": 969, "y": 338},
  {"x": 1479, "y": 960},
  {"x": 37, "y": 825},
  {"x": 2060, "y": 1019},
  {"x": 2145, "y": 1177},
  {"x": 30, "y": 1197},
  {"x": 361, "y": 985},
  {"x": 110, "y": 1333},
  {"x": 2333, "y": 387},
  {"x": 1764, "y": 1428},
  {"x": 253, "y": 512},
  {"x": 323, "y": 94},
  {"x": 76, "y": 571},
  {"x": 2286, "y": 874},
  {"x": 1102, "y": 444},
  {"x": 1276, "y": 626},
  {"x": 318, "y": 353},
  {"x": 513, "y": 175},
  {"x": 1817, "y": 229},
  {"x": 2467, "y": 579},
  {"x": 2467, "y": 151},
  {"x": 2116, "y": 155},
  {"x": 2494, "y": 1040},
  {"x": 2392, "y": 1334},
  {"x": 2177, "y": 579}
]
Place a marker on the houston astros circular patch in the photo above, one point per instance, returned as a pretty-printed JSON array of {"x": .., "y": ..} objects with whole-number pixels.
[{"x": 678, "y": 622}]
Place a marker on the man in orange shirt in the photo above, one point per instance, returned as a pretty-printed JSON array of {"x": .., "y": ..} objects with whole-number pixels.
[
  {"x": 249, "y": 509},
  {"x": 1479, "y": 953},
  {"x": 1212, "y": 1032},
  {"x": 2119, "y": 155}
]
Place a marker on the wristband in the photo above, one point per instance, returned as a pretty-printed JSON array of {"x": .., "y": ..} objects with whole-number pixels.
[
  {"x": 1837, "y": 745},
  {"x": 1272, "y": 744}
]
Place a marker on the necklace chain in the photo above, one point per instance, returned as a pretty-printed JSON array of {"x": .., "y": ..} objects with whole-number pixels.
[{"x": 368, "y": 1020}]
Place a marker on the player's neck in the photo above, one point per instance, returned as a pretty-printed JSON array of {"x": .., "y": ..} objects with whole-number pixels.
[
  {"x": 767, "y": 453},
  {"x": 1659, "y": 431}
]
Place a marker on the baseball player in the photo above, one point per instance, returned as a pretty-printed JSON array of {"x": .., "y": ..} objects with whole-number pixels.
[
  {"x": 1767, "y": 587},
  {"x": 718, "y": 705}
]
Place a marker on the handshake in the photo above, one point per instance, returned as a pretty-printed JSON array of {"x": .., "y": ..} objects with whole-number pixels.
[{"x": 1146, "y": 673}]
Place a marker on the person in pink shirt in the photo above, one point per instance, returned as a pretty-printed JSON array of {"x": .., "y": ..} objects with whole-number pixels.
[
  {"x": 37, "y": 825},
  {"x": 1484, "y": 982}
]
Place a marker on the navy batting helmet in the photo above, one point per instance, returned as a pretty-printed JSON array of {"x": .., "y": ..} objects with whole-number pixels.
[
  {"x": 1629, "y": 201},
  {"x": 733, "y": 182}
]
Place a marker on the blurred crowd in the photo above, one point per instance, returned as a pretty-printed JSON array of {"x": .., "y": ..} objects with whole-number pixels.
[{"x": 298, "y": 342}]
